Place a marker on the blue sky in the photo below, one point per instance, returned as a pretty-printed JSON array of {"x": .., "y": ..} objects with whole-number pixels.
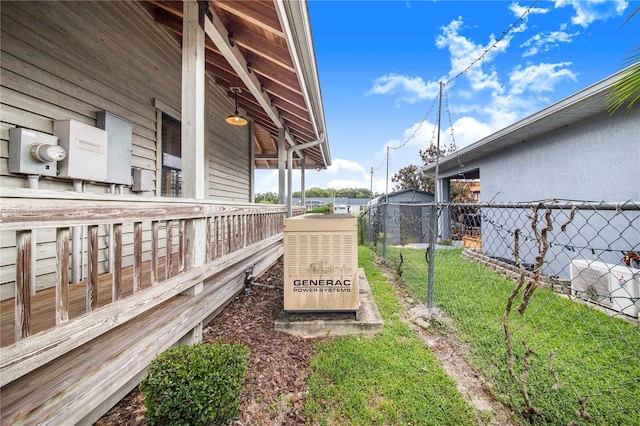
[{"x": 380, "y": 64}]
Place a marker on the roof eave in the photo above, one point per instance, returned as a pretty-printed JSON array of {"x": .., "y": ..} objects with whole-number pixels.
[
  {"x": 295, "y": 22},
  {"x": 590, "y": 95}
]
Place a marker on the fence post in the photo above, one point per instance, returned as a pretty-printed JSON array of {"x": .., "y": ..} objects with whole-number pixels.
[
  {"x": 433, "y": 224},
  {"x": 369, "y": 224},
  {"x": 385, "y": 211}
]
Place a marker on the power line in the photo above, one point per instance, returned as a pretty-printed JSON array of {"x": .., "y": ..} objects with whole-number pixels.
[
  {"x": 498, "y": 40},
  {"x": 424, "y": 119}
]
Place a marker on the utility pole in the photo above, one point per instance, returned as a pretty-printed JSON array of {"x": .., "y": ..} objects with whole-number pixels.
[
  {"x": 433, "y": 235},
  {"x": 386, "y": 188},
  {"x": 384, "y": 214},
  {"x": 437, "y": 191},
  {"x": 370, "y": 206}
]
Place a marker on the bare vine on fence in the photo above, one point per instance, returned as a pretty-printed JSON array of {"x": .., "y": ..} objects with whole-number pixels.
[
  {"x": 543, "y": 246},
  {"x": 530, "y": 412}
]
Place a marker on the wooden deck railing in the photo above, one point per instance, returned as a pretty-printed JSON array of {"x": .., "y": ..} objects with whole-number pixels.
[{"x": 155, "y": 251}]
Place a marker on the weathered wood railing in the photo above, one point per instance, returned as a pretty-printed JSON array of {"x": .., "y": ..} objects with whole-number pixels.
[{"x": 176, "y": 259}]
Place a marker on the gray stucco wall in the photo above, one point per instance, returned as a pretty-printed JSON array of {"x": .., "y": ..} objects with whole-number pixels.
[{"x": 596, "y": 159}]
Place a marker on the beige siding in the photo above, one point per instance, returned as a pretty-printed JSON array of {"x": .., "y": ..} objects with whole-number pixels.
[
  {"x": 69, "y": 60},
  {"x": 229, "y": 154}
]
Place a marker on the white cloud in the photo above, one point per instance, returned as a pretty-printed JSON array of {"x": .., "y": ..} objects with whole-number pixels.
[
  {"x": 419, "y": 135},
  {"x": 589, "y": 11},
  {"x": 586, "y": 12},
  {"x": 546, "y": 41},
  {"x": 467, "y": 130},
  {"x": 266, "y": 181},
  {"x": 518, "y": 10},
  {"x": 464, "y": 52},
  {"x": 339, "y": 165},
  {"x": 539, "y": 78},
  {"x": 410, "y": 89}
]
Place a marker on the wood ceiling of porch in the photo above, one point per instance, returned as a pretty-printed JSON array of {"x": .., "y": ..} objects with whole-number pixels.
[{"x": 254, "y": 28}]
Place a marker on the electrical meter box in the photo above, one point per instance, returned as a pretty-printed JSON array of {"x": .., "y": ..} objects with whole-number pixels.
[
  {"x": 24, "y": 146},
  {"x": 86, "y": 148},
  {"x": 321, "y": 263}
]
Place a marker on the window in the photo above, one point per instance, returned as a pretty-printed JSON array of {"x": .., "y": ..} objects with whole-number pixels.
[{"x": 171, "y": 178}]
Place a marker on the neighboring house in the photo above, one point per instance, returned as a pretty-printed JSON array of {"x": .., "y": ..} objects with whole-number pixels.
[
  {"x": 146, "y": 229},
  {"x": 354, "y": 206},
  {"x": 401, "y": 216},
  {"x": 571, "y": 150},
  {"x": 474, "y": 186}
]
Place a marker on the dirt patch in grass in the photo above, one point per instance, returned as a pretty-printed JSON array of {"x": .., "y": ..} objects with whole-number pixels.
[
  {"x": 431, "y": 326},
  {"x": 436, "y": 331}
]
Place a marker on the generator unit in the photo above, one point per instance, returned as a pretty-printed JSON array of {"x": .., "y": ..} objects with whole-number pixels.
[{"x": 321, "y": 264}]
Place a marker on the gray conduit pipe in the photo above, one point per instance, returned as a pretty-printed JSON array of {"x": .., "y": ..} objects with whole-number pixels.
[
  {"x": 290, "y": 167},
  {"x": 76, "y": 243},
  {"x": 33, "y": 183},
  {"x": 110, "y": 251}
]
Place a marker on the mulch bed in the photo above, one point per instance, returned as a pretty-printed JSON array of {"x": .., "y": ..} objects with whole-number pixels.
[{"x": 275, "y": 385}]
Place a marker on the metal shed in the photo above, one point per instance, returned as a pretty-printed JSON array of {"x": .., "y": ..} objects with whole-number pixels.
[{"x": 401, "y": 215}]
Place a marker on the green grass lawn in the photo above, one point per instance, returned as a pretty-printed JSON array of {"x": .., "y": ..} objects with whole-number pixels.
[
  {"x": 594, "y": 356},
  {"x": 390, "y": 379}
]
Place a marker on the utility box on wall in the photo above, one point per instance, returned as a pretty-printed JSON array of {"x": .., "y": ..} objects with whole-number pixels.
[
  {"x": 321, "y": 263},
  {"x": 86, "y": 148},
  {"x": 25, "y": 155},
  {"x": 119, "y": 139}
]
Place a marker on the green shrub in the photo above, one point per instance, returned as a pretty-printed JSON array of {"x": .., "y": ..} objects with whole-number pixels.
[
  {"x": 197, "y": 384},
  {"x": 321, "y": 209}
]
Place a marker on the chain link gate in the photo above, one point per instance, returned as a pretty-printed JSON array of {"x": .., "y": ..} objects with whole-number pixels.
[{"x": 546, "y": 295}]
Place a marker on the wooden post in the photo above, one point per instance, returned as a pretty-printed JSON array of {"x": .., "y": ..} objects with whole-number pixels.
[
  {"x": 303, "y": 165},
  {"x": 23, "y": 285},
  {"x": 209, "y": 242},
  {"x": 229, "y": 233},
  {"x": 168, "y": 269},
  {"x": 92, "y": 266},
  {"x": 181, "y": 247},
  {"x": 154, "y": 251},
  {"x": 194, "y": 174},
  {"x": 194, "y": 256},
  {"x": 282, "y": 160},
  {"x": 62, "y": 286},
  {"x": 116, "y": 274},
  {"x": 137, "y": 256},
  {"x": 252, "y": 164}
]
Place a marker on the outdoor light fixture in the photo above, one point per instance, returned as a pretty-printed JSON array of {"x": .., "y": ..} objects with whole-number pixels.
[
  {"x": 236, "y": 119},
  {"x": 318, "y": 167}
]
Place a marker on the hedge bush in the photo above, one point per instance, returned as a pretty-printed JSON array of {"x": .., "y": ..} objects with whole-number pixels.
[{"x": 196, "y": 384}]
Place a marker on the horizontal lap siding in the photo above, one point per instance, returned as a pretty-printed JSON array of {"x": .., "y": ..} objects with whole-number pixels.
[
  {"x": 80, "y": 58},
  {"x": 229, "y": 153},
  {"x": 73, "y": 60},
  {"x": 70, "y": 60}
]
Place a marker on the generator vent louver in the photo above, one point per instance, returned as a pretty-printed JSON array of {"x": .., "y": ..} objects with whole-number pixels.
[{"x": 321, "y": 255}]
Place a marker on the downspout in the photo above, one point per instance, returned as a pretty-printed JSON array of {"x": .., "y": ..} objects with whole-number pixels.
[{"x": 290, "y": 152}]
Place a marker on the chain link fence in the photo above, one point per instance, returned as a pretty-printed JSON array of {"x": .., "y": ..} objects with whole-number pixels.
[{"x": 544, "y": 295}]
